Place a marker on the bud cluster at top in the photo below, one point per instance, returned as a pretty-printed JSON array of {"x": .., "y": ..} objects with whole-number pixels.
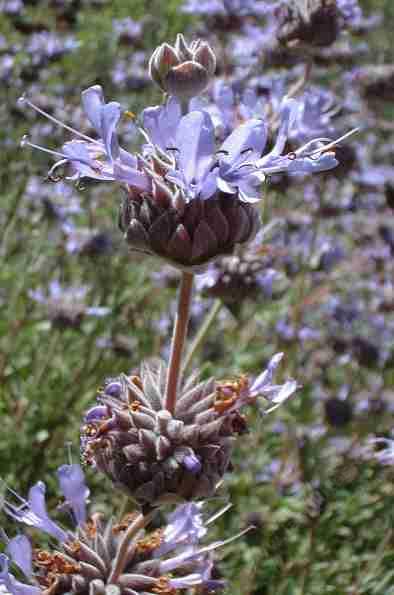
[{"x": 183, "y": 70}]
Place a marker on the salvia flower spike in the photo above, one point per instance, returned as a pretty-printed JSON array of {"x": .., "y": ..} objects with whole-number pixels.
[{"x": 188, "y": 198}]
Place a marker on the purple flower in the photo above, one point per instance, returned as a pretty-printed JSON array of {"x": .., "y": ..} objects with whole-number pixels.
[
  {"x": 353, "y": 15},
  {"x": 192, "y": 463},
  {"x": 275, "y": 394},
  {"x": 127, "y": 29},
  {"x": 176, "y": 549},
  {"x": 33, "y": 512},
  {"x": 186, "y": 150},
  {"x": 232, "y": 396},
  {"x": 66, "y": 305},
  {"x": 384, "y": 455},
  {"x": 20, "y": 551},
  {"x": 161, "y": 123},
  {"x": 185, "y": 527},
  {"x": 312, "y": 157},
  {"x": 313, "y": 118},
  {"x": 9, "y": 582},
  {"x": 72, "y": 483},
  {"x": 226, "y": 7},
  {"x": 237, "y": 166},
  {"x": 96, "y": 159}
]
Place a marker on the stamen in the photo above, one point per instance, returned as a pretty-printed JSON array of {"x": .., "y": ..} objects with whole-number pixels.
[
  {"x": 145, "y": 135},
  {"x": 23, "y": 99},
  {"x": 238, "y": 535},
  {"x": 26, "y": 143},
  {"x": 64, "y": 158},
  {"x": 57, "y": 178},
  {"x": 218, "y": 514},
  {"x": 301, "y": 150},
  {"x": 335, "y": 142}
]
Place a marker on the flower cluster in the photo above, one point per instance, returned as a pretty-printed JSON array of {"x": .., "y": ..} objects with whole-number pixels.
[
  {"x": 157, "y": 456},
  {"x": 187, "y": 198},
  {"x": 100, "y": 555}
]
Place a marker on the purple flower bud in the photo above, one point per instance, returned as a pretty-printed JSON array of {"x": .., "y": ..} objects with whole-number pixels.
[
  {"x": 96, "y": 413},
  {"x": 113, "y": 389},
  {"x": 192, "y": 463}
]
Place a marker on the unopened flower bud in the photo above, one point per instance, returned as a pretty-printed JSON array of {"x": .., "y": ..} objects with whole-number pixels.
[
  {"x": 162, "y": 60},
  {"x": 206, "y": 57},
  {"x": 182, "y": 70}
]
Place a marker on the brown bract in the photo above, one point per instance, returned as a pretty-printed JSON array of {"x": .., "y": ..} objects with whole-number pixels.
[{"x": 191, "y": 236}]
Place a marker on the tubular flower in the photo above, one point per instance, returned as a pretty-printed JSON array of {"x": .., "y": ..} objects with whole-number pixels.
[
  {"x": 155, "y": 456},
  {"x": 107, "y": 557},
  {"x": 187, "y": 200}
]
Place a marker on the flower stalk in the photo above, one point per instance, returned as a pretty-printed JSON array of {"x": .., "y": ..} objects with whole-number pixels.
[
  {"x": 123, "y": 553},
  {"x": 178, "y": 340}
]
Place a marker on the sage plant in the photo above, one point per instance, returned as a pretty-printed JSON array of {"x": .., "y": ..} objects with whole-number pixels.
[{"x": 163, "y": 435}]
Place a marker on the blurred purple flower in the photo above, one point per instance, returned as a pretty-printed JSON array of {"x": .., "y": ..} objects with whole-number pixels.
[
  {"x": 20, "y": 551},
  {"x": 72, "y": 484},
  {"x": 127, "y": 28},
  {"x": 9, "y": 582},
  {"x": 385, "y": 454},
  {"x": 66, "y": 305},
  {"x": 226, "y": 7}
]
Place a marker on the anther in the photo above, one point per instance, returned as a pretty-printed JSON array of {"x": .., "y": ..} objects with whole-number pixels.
[{"x": 24, "y": 140}]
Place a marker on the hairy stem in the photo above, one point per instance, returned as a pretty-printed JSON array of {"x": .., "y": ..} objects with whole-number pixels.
[
  {"x": 206, "y": 325},
  {"x": 178, "y": 340}
]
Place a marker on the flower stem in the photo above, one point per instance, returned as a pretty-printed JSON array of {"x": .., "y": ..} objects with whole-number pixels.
[
  {"x": 206, "y": 325},
  {"x": 178, "y": 340},
  {"x": 123, "y": 553}
]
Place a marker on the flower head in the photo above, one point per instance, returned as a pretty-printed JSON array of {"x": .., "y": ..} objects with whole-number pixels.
[
  {"x": 157, "y": 456},
  {"x": 100, "y": 556},
  {"x": 187, "y": 198}
]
